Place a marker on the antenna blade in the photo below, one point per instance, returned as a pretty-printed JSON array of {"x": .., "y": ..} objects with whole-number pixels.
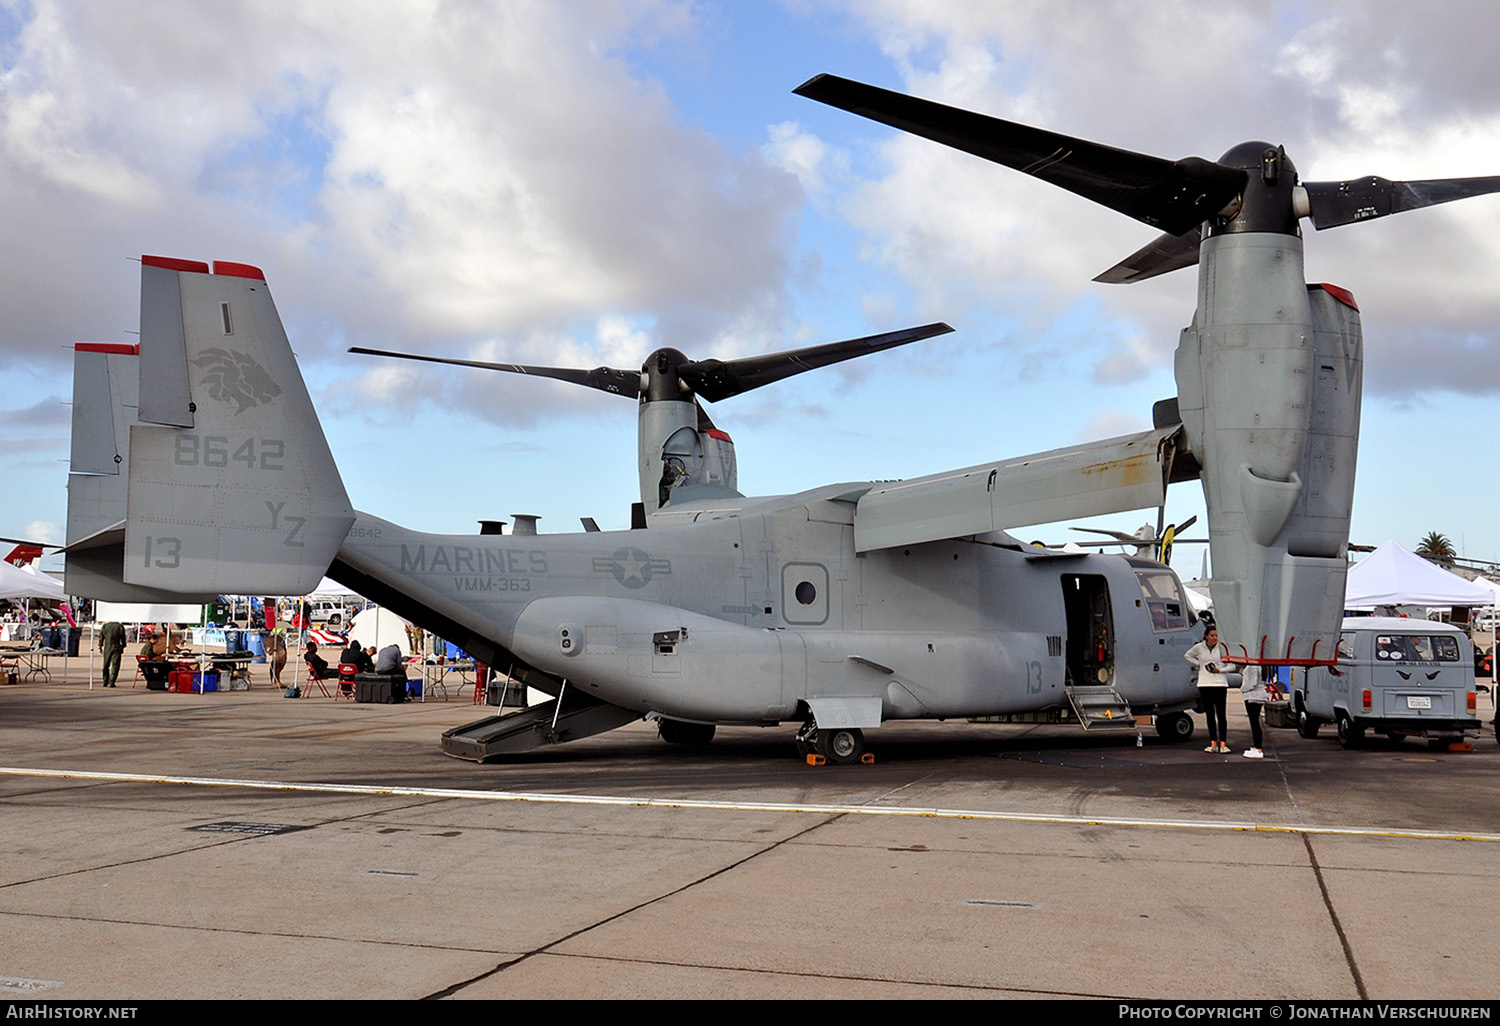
[
  {"x": 1162, "y": 254},
  {"x": 1174, "y": 196},
  {"x": 1339, "y": 203},
  {"x": 719, "y": 379},
  {"x": 605, "y": 379}
]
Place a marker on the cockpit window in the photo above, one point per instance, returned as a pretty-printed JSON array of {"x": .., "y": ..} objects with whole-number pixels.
[{"x": 1163, "y": 599}]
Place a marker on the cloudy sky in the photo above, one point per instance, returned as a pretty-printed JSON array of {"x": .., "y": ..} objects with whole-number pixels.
[{"x": 583, "y": 182}]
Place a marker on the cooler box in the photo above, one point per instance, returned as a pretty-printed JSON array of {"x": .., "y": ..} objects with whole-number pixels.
[
  {"x": 206, "y": 681},
  {"x": 377, "y": 687}
]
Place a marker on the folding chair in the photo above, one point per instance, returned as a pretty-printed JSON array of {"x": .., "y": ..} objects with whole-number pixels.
[
  {"x": 313, "y": 677},
  {"x": 346, "y": 680}
]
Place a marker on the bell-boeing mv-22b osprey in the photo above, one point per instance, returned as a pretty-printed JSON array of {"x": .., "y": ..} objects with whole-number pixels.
[{"x": 839, "y": 608}]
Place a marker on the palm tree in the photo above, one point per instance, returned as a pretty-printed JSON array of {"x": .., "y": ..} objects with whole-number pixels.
[{"x": 1437, "y": 548}]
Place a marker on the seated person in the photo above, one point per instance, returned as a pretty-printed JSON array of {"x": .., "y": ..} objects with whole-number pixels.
[
  {"x": 389, "y": 662},
  {"x": 158, "y": 645},
  {"x": 316, "y": 664},
  {"x": 355, "y": 656}
]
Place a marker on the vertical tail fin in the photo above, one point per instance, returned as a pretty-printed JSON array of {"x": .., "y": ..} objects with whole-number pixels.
[{"x": 231, "y": 485}]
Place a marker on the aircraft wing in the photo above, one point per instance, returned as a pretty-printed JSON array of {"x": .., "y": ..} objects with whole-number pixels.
[{"x": 1110, "y": 476}]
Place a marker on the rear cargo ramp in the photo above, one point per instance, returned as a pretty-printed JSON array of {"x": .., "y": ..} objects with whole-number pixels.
[{"x": 540, "y": 726}]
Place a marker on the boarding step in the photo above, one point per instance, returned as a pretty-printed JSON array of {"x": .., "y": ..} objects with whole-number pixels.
[
  {"x": 1101, "y": 708},
  {"x": 497, "y": 736}
]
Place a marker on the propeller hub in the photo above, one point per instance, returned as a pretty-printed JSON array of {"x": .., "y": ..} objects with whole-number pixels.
[
  {"x": 1267, "y": 203},
  {"x": 660, "y": 380}
]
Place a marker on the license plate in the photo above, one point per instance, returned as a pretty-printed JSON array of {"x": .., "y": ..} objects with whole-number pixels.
[{"x": 1418, "y": 702}]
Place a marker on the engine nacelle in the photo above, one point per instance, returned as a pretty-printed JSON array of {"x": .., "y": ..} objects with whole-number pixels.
[{"x": 1269, "y": 393}]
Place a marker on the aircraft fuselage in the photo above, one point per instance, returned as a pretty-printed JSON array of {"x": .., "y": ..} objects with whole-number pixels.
[{"x": 750, "y": 617}]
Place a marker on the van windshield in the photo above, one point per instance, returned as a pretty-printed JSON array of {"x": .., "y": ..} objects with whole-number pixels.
[{"x": 1417, "y": 648}]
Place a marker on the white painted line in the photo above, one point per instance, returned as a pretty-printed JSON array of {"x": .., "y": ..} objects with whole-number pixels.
[{"x": 727, "y": 806}]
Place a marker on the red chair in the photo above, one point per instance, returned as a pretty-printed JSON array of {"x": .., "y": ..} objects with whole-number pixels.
[
  {"x": 314, "y": 677},
  {"x": 346, "y": 679}
]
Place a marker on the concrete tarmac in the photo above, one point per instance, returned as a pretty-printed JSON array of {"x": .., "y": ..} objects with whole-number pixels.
[{"x": 246, "y": 845}]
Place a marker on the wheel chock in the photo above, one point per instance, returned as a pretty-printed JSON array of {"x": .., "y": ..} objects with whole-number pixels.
[
  {"x": 1460, "y": 746},
  {"x": 814, "y": 759}
]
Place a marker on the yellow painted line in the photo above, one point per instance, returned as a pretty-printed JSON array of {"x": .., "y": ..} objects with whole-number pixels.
[{"x": 545, "y": 798}]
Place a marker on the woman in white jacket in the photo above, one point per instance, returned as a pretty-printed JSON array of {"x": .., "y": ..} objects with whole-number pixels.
[{"x": 1213, "y": 688}]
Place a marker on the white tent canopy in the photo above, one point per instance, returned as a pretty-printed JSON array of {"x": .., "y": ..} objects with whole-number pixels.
[
  {"x": 1494, "y": 589},
  {"x": 380, "y": 627},
  {"x": 25, "y": 582},
  {"x": 1392, "y": 576},
  {"x": 329, "y": 588}
]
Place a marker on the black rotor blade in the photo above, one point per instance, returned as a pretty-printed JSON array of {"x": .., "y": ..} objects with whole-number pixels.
[
  {"x": 719, "y": 379},
  {"x": 1337, "y": 203},
  {"x": 605, "y": 379},
  {"x": 1162, "y": 254},
  {"x": 1174, "y": 196}
]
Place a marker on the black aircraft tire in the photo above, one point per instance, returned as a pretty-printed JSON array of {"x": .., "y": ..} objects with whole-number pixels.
[
  {"x": 1307, "y": 726},
  {"x": 1176, "y": 726},
  {"x": 1350, "y": 736},
  {"x": 841, "y": 746},
  {"x": 676, "y": 732}
]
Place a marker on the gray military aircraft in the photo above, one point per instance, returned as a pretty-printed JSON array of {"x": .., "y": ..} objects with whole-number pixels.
[{"x": 837, "y": 608}]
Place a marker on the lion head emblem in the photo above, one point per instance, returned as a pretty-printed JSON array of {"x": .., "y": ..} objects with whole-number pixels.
[{"x": 233, "y": 377}]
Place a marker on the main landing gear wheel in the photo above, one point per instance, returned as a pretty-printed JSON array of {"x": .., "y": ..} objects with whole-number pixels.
[
  {"x": 842, "y": 746},
  {"x": 1307, "y": 726},
  {"x": 1175, "y": 726},
  {"x": 676, "y": 732},
  {"x": 1350, "y": 736}
]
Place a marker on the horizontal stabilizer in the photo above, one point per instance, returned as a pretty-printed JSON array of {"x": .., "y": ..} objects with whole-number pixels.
[
  {"x": 1110, "y": 476},
  {"x": 93, "y": 567},
  {"x": 105, "y": 378},
  {"x": 247, "y": 498}
]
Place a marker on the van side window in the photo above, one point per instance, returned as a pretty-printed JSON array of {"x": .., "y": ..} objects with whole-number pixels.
[
  {"x": 1444, "y": 648},
  {"x": 1346, "y": 646},
  {"x": 1417, "y": 648}
]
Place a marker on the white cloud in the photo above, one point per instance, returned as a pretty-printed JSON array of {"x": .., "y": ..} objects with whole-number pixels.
[
  {"x": 803, "y": 154},
  {"x": 411, "y": 172},
  {"x": 43, "y": 531}
]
